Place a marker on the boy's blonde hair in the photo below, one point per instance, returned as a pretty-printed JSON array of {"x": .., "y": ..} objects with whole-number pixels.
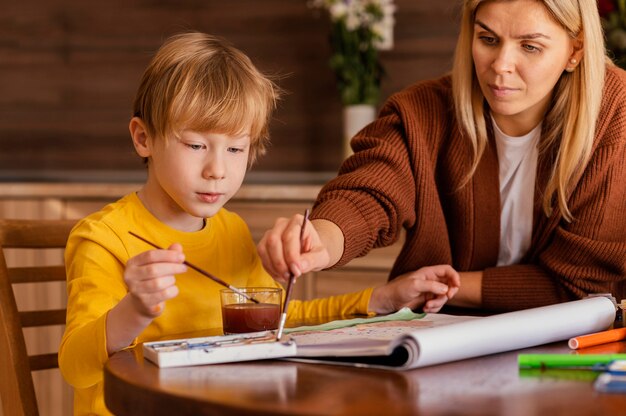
[
  {"x": 201, "y": 82},
  {"x": 570, "y": 123}
]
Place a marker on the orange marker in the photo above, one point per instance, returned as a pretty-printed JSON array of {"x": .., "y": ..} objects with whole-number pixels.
[
  {"x": 597, "y": 338},
  {"x": 610, "y": 348}
]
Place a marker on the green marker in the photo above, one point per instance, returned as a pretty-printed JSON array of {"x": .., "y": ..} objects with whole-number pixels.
[
  {"x": 567, "y": 360},
  {"x": 579, "y": 374}
]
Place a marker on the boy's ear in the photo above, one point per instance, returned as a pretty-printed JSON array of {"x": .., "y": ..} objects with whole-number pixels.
[{"x": 139, "y": 134}]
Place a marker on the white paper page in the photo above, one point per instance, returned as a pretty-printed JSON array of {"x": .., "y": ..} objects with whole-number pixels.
[
  {"x": 511, "y": 331},
  {"x": 367, "y": 339}
]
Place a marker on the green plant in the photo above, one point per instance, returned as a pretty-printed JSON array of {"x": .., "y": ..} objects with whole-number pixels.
[{"x": 360, "y": 28}]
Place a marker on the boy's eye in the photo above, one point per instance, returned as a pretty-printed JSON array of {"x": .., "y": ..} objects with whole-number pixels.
[
  {"x": 194, "y": 146},
  {"x": 235, "y": 149}
]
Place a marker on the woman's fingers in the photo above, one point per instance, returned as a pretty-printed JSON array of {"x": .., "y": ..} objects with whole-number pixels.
[
  {"x": 270, "y": 249},
  {"x": 281, "y": 248},
  {"x": 434, "y": 305},
  {"x": 292, "y": 244},
  {"x": 442, "y": 272}
]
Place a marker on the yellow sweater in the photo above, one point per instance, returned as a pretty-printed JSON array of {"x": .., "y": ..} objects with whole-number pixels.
[{"x": 99, "y": 247}]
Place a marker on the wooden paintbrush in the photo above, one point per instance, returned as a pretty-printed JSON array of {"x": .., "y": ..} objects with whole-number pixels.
[
  {"x": 202, "y": 272},
  {"x": 292, "y": 278}
]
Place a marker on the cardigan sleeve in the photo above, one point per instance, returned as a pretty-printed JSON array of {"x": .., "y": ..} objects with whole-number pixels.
[
  {"x": 375, "y": 195},
  {"x": 368, "y": 216}
]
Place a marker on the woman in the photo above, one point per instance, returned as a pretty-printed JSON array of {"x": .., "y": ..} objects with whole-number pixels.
[{"x": 512, "y": 169}]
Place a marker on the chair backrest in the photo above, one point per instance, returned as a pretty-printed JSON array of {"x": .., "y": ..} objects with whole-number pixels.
[{"x": 17, "y": 388}]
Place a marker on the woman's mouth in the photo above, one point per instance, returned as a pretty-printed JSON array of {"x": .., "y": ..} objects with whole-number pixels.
[{"x": 501, "y": 91}]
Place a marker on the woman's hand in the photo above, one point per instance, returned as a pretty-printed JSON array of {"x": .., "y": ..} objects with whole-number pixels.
[
  {"x": 429, "y": 287},
  {"x": 283, "y": 252}
]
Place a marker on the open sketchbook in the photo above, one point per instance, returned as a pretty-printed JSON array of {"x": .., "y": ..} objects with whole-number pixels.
[{"x": 398, "y": 344}]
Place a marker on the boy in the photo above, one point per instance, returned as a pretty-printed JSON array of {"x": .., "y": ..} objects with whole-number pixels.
[{"x": 200, "y": 119}]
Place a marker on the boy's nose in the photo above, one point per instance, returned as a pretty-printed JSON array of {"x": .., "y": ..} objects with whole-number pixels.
[{"x": 214, "y": 168}]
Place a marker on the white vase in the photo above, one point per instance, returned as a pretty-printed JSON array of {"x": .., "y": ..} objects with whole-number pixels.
[{"x": 355, "y": 117}]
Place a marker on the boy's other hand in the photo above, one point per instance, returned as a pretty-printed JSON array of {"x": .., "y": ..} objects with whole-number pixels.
[
  {"x": 150, "y": 279},
  {"x": 429, "y": 287}
]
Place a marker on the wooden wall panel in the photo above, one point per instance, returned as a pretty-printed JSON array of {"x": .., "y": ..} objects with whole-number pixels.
[{"x": 69, "y": 70}]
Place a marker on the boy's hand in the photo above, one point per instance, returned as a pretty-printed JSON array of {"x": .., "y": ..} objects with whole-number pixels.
[
  {"x": 150, "y": 279},
  {"x": 429, "y": 287}
]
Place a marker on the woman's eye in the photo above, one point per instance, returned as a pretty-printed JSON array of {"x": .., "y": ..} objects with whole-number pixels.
[
  {"x": 489, "y": 40},
  {"x": 531, "y": 48}
]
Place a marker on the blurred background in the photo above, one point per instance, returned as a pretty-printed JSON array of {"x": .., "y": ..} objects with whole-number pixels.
[{"x": 69, "y": 70}]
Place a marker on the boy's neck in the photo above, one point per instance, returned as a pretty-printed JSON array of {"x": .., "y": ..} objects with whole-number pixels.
[{"x": 186, "y": 223}]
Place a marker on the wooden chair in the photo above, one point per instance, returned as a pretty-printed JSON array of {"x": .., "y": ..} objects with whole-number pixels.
[{"x": 16, "y": 386}]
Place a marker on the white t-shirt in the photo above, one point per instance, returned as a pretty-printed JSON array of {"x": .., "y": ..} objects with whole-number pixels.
[{"x": 517, "y": 157}]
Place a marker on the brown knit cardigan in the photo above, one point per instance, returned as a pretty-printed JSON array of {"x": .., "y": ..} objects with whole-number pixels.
[{"x": 406, "y": 174}]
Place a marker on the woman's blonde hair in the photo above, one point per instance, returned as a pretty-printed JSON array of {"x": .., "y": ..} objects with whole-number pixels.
[
  {"x": 201, "y": 82},
  {"x": 570, "y": 122}
]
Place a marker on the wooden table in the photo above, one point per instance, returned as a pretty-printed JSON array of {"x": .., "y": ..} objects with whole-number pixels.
[{"x": 490, "y": 385}]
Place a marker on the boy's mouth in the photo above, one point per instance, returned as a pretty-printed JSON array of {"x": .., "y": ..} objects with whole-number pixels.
[{"x": 210, "y": 197}]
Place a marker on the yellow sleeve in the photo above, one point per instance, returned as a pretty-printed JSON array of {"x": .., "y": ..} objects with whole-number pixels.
[
  {"x": 94, "y": 286},
  {"x": 335, "y": 307}
]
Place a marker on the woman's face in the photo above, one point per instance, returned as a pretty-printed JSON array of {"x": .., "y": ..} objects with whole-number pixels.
[{"x": 519, "y": 54}]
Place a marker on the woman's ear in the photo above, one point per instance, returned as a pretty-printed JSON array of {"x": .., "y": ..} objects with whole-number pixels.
[
  {"x": 577, "y": 54},
  {"x": 139, "y": 134}
]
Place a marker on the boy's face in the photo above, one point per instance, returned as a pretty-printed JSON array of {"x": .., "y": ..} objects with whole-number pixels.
[{"x": 193, "y": 176}]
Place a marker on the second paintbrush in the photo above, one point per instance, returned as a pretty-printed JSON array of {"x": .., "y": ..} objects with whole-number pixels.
[{"x": 202, "y": 272}]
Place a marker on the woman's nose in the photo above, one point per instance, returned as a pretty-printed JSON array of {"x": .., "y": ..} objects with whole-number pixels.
[{"x": 504, "y": 61}]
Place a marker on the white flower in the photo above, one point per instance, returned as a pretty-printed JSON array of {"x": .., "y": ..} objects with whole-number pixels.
[
  {"x": 384, "y": 30},
  {"x": 375, "y": 15},
  {"x": 352, "y": 21},
  {"x": 338, "y": 11}
]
